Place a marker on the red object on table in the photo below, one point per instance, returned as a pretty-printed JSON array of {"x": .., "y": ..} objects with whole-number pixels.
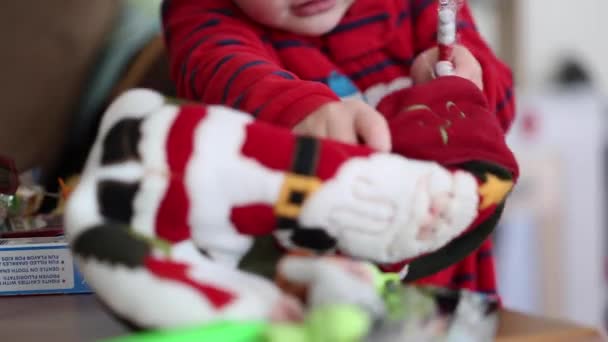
[{"x": 45, "y": 232}]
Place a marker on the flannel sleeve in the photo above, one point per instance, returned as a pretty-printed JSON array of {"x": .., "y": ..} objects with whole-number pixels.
[{"x": 218, "y": 56}]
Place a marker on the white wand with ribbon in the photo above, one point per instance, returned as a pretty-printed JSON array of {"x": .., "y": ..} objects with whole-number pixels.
[{"x": 446, "y": 36}]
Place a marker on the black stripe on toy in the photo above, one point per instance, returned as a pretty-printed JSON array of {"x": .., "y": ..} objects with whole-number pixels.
[
  {"x": 311, "y": 238},
  {"x": 204, "y": 253},
  {"x": 304, "y": 163},
  {"x": 116, "y": 200},
  {"x": 306, "y": 156},
  {"x": 112, "y": 243},
  {"x": 120, "y": 144},
  {"x": 480, "y": 169},
  {"x": 447, "y": 302},
  {"x": 284, "y": 223}
]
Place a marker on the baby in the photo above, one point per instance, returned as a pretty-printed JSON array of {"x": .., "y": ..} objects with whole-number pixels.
[{"x": 345, "y": 121}]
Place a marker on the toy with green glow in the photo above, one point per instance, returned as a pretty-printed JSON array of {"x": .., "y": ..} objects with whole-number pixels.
[
  {"x": 413, "y": 314},
  {"x": 336, "y": 323}
]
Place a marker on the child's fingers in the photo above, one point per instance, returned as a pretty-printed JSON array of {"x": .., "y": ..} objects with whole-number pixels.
[
  {"x": 423, "y": 67},
  {"x": 312, "y": 127},
  {"x": 373, "y": 129},
  {"x": 467, "y": 66},
  {"x": 342, "y": 129}
]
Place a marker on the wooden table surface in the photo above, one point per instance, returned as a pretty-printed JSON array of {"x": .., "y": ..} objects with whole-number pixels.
[{"x": 80, "y": 318}]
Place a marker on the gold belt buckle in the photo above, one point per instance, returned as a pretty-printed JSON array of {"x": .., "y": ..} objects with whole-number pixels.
[
  {"x": 493, "y": 191},
  {"x": 294, "y": 192}
]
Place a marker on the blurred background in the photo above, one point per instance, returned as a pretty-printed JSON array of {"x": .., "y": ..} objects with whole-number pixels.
[
  {"x": 551, "y": 243},
  {"x": 62, "y": 60}
]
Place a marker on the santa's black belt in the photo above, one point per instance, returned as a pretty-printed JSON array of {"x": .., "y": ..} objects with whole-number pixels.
[{"x": 300, "y": 182}]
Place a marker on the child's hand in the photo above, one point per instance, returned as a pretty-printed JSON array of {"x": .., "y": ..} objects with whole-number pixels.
[
  {"x": 465, "y": 65},
  {"x": 345, "y": 121}
]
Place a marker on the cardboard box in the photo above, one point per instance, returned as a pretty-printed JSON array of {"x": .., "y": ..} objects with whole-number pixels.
[{"x": 35, "y": 266}]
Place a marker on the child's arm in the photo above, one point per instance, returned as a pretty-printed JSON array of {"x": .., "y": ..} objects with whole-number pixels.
[
  {"x": 217, "y": 56},
  {"x": 497, "y": 77}
]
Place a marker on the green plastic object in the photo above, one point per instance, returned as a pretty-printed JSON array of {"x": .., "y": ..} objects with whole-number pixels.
[
  {"x": 221, "y": 331},
  {"x": 339, "y": 323},
  {"x": 336, "y": 323}
]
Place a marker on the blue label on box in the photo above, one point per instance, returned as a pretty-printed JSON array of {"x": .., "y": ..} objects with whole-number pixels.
[{"x": 43, "y": 269}]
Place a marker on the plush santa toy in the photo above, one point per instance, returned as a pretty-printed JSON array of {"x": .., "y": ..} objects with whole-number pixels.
[{"x": 174, "y": 195}]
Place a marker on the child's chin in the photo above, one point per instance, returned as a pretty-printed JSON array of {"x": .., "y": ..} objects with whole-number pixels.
[{"x": 314, "y": 26}]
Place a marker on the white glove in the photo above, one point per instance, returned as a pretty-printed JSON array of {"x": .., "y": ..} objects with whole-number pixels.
[
  {"x": 334, "y": 281},
  {"x": 387, "y": 208}
]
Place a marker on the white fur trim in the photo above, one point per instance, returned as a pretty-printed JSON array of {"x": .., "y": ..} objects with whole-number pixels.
[
  {"x": 139, "y": 295},
  {"x": 256, "y": 294},
  {"x": 220, "y": 178},
  {"x": 125, "y": 172},
  {"x": 82, "y": 209},
  {"x": 374, "y": 94},
  {"x": 152, "y": 147},
  {"x": 134, "y": 103}
]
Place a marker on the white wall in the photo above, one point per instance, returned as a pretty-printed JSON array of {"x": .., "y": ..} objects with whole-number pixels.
[
  {"x": 551, "y": 28},
  {"x": 487, "y": 19},
  {"x": 544, "y": 32},
  {"x": 575, "y": 234}
]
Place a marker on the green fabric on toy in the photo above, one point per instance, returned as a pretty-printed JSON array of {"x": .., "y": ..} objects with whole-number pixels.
[{"x": 338, "y": 323}]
